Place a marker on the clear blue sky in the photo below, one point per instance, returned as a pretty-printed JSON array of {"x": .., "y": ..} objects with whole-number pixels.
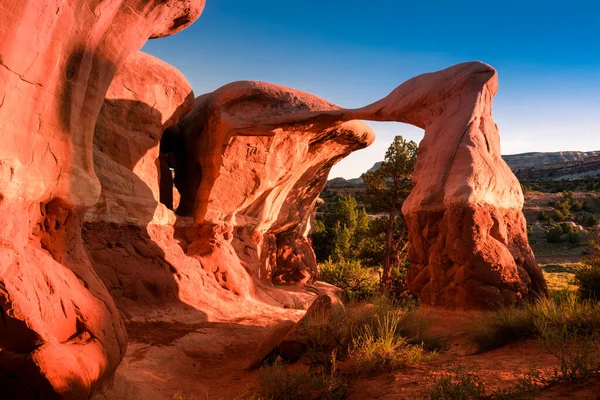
[{"x": 355, "y": 52}]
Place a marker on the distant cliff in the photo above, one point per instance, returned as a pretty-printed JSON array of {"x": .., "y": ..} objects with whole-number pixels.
[
  {"x": 579, "y": 169},
  {"x": 531, "y": 160},
  {"x": 526, "y": 166}
]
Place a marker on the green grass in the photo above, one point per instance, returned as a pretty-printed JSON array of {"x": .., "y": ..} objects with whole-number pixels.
[
  {"x": 380, "y": 346},
  {"x": 456, "y": 383},
  {"x": 277, "y": 383},
  {"x": 391, "y": 335},
  {"x": 560, "y": 276},
  {"x": 497, "y": 328},
  {"x": 570, "y": 331},
  {"x": 459, "y": 382}
]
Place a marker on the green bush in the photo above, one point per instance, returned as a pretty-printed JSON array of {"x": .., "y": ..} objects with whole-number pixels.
[
  {"x": 458, "y": 382},
  {"x": 464, "y": 383},
  {"x": 359, "y": 282},
  {"x": 573, "y": 237},
  {"x": 554, "y": 233},
  {"x": 576, "y": 206},
  {"x": 587, "y": 277},
  {"x": 566, "y": 228},
  {"x": 278, "y": 384},
  {"x": 592, "y": 220},
  {"x": 570, "y": 330},
  {"x": 558, "y": 215},
  {"x": 543, "y": 216}
]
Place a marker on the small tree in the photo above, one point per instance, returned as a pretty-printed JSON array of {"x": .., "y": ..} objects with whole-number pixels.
[
  {"x": 343, "y": 228},
  {"x": 386, "y": 190}
]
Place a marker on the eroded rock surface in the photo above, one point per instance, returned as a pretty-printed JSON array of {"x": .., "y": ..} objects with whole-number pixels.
[
  {"x": 253, "y": 167},
  {"x": 61, "y": 335},
  {"x": 146, "y": 97},
  {"x": 468, "y": 239}
]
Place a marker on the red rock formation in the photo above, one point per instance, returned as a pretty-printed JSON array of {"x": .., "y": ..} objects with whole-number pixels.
[
  {"x": 253, "y": 183},
  {"x": 250, "y": 160},
  {"x": 146, "y": 97},
  {"x": 61, "y": 334},
  {"x": 468, "y": 239}
]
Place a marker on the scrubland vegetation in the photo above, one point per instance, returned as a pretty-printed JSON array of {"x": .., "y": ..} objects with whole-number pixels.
[
  {"x": 361, "y": 246},
  {"x": 391, "y": 337},
  {"x": 389, "y": 333}
]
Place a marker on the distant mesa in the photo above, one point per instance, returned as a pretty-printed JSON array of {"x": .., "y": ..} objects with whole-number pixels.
[{"x": 526, "y": 166}]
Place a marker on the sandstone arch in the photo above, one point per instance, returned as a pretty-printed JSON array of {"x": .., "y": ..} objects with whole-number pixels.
[{"x": 469, "y": 245}]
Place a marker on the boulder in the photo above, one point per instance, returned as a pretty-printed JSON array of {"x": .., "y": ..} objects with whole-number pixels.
[
  {"x": 266, "y": 351},
  {"x": 321, "y": 329}
]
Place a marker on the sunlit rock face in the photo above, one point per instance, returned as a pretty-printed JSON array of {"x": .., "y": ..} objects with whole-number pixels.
[
  {"x": 61, "y": 334},
  {"x": 250, "y": 160},
  {"x": 146, "y": 97},
  {"x": 254, "y": 163},
  {"x": 468, "y": 239}
]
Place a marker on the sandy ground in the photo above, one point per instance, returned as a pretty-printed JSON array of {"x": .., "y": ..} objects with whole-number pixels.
[{"x": 207, "y": 360}]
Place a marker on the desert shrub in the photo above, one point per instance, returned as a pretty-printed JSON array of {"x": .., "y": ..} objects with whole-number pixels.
[
  {"x": 558, "y": 215},
  {"x": 379, "y": 346},
  {"x": 498, "y": 328},
  {"x": 587, "y": 277},
  {"x": 592, "y": 220},
  {"x": 279, "y": 384},
  {"x": 570, "y": 330},
  {"x": 359, "y": 282},
  {"x": 456, "y": 383},
  {"x": 578, "y": 316},
  {"x": 573, "y": 237},
  {"x": 576, "y": 206},
  {"x": 464, "y": 383},
  {"x": 566, "y": 228},
  {"x": 554, "y": 233},
  {"x": 326, "y": 334},
  {"x": 543, "y": 216}
]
